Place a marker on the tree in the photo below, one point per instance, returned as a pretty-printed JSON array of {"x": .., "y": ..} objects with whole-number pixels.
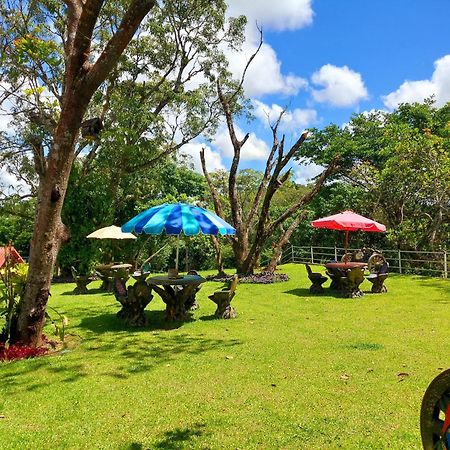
[
  {"x": 255, "y": 228},
  {"x": 401, "y": 162},
  {"x": 81, "y": 79}
]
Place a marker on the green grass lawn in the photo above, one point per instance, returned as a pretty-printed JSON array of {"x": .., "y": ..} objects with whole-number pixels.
[{"x": 293, "y": 371}]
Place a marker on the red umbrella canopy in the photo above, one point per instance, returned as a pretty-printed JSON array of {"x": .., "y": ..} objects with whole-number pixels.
[{"x": 348, "y": 221}]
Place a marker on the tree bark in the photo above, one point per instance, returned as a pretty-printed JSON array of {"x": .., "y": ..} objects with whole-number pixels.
[
  {"x": 219, "y": 260},
  {"x": 278, "y": 251},
  {"x": 49, "y": 231}
]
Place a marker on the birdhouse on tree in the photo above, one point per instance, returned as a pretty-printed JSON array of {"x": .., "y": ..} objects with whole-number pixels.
[{"x": 91, "y": 128}]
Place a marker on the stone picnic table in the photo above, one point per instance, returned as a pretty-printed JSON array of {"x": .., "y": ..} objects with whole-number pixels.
[
  {"x": 107, "y": 273},
  {"x": 347, "y": 277},
  {"x": 133, "y": 298},
  {"x": 176, "y": 293}
]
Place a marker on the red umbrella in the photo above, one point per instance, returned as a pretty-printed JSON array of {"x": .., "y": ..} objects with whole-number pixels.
[{"x": 348, "y": 221}]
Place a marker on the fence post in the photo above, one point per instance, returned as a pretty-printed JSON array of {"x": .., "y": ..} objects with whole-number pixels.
[
  {"x": 400, "y": 261},
  {"x": 312, "y": 254},
  {"x": 292, "y": 254},
  {"x": 335, "y": 253},
  {"x": 445, "y": 264}
]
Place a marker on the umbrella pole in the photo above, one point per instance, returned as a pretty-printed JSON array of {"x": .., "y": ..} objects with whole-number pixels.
[
  {"x": 346, "y": 244},
  {"x": 178, "y": 250}
]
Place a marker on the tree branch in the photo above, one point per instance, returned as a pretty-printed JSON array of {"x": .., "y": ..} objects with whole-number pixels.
[
  {"x": 306, "y": 198},
  {"x": 215, "y": 196},
  {"x": 236, "y": 209},
  {"x": 265, "y": 180},
  {"x": 284, "y": 239},
  {"x": 118, "y": 42}
]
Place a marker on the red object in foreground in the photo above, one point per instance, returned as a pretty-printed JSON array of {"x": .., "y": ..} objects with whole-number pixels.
[
  {"x": 446, "y": 425},
  {"x": 13, "y": 253},
  {"x": 20, "y": 351},
  {"x": 348, "y": 221}
]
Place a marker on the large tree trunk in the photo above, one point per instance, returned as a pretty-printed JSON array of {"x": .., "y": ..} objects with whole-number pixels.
[
  {"x": 219, "y": 260},
  {"x": 49, "y": 232},
  {"x": 240, "y": 250}
]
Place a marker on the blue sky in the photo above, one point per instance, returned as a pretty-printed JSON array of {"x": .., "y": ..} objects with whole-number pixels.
[
  {"x": 328, "y": 59},
  {"x": 387, "y": 42}
]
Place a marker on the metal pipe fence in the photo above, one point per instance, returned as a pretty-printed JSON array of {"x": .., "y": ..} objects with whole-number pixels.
[{"x": 401, "y": 261}]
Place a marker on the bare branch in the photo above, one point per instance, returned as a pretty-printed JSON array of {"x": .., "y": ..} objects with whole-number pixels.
[
  {"x": 306, "y": 198},
  {"x": 215, "y": 196},
  {"x": 252, "y": 57},
  {"x": 284, "y": 239},
  {"x": 236, "y": 209},
  {"x": 265, "y": 180}
]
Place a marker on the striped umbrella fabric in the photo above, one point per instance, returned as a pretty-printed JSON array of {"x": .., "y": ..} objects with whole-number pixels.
[{"x": 178, "y": 218}]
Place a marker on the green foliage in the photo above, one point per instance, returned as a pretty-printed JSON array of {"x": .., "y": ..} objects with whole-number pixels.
[
  {"x": 17, "y": 230},
  {"x": 100, "y": 198},
  {"x": 399, "y": 163},
  {"x": 12, "y": 285},
  {"x": 58, "y": 324},
  {"x": 148, "y": 105},
  {"x": 30, "y": 49}
]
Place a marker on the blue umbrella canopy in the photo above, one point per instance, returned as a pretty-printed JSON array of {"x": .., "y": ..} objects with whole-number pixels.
[{"x": 178, "y": 218}]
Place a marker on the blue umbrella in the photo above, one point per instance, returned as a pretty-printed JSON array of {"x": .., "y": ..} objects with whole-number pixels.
[{"x": 177, "y": 218}]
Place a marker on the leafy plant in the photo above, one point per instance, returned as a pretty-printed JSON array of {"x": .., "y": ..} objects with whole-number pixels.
[
  {"x": 13, "y": 278},
  {"x": 59, "y": 324}
]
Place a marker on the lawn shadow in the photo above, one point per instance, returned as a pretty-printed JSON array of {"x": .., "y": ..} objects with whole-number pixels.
[
  {"x": 96, "y": 291},
  {"x": 299, "y": 292},
  {"x": 440, "y": 284},
  {"x": 12, "y": 381},
  {"x": 210, "y": 317},
  {"x": 327, "y": 292},
  {"x": 105, "y": 323},
  {"x": 163, "y": 349},
  {"x": 131, "y": 356},
  {"x": 179, "y": 437},
  {"x": 304, "y": 292},
  {"x": 135, "y": 446}
]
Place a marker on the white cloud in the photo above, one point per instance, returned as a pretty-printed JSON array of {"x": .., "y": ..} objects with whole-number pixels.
[
  {"x": 10, "y": 185},
  {"x": 341, "y": 86},
  {"x": 280, "y": 15},
  {"x": 5, "y": 118},
  {"x": 212, "y": 158},
  {"x": 6, "y": 107},
  {"x": 264, "y": 74},
  {"x": 305, "y": 172},
  {"x": 295, "y": 121},
  {"x": 253, "y": 149},
  {"x": 417, "y": 91}
]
